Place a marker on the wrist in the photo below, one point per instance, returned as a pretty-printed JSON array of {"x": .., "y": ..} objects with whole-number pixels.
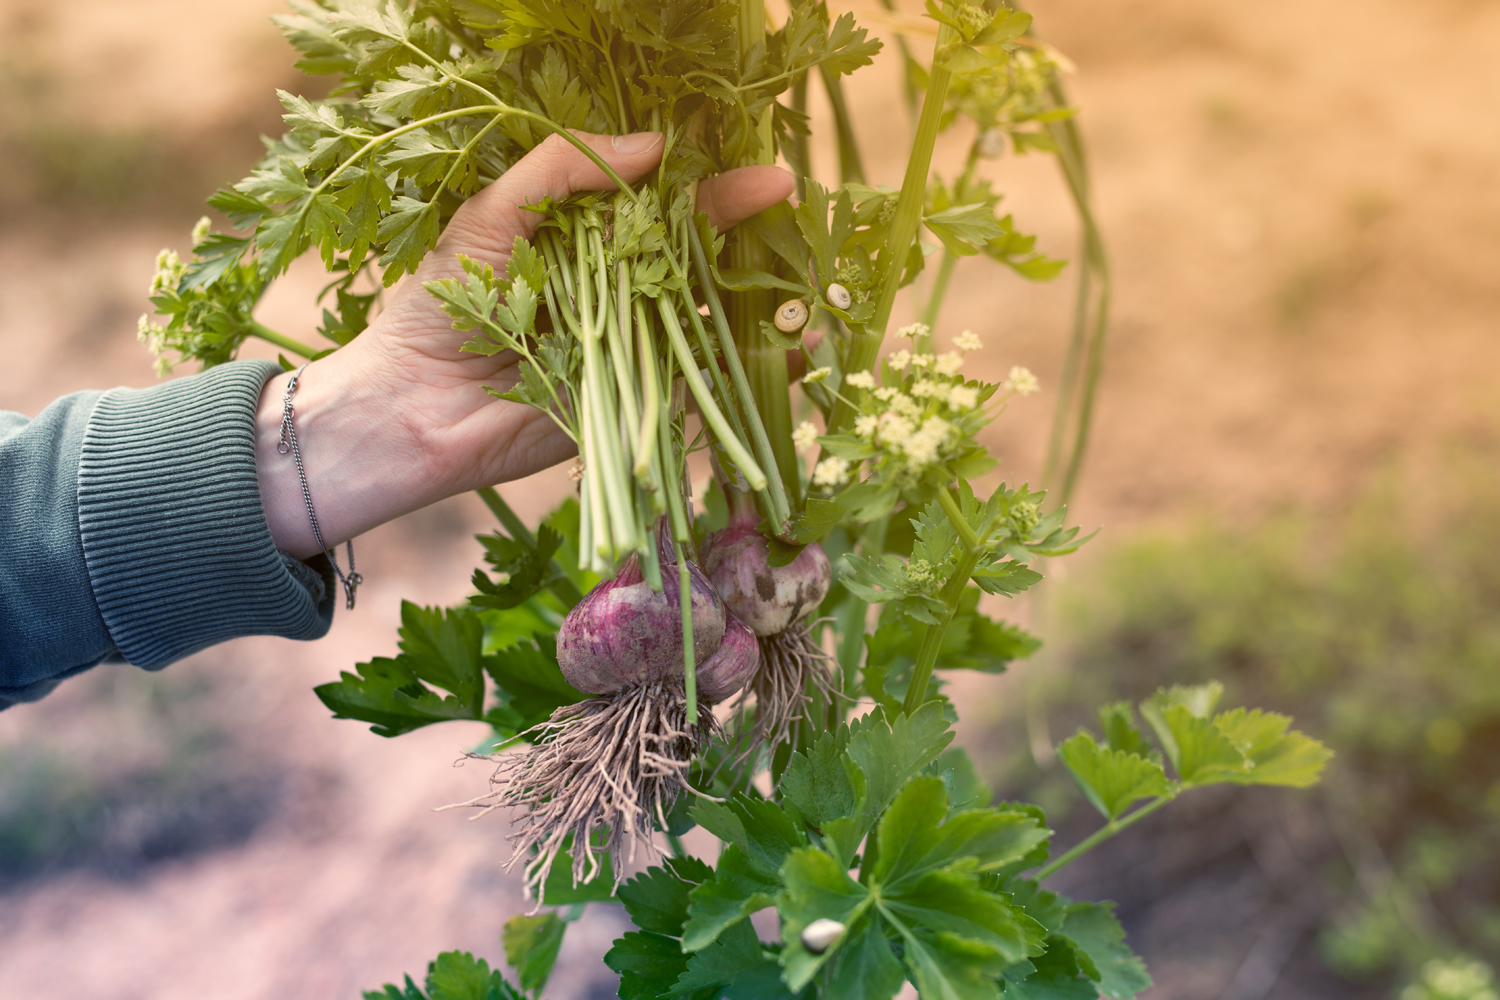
[{"x": 362, "y": 466}]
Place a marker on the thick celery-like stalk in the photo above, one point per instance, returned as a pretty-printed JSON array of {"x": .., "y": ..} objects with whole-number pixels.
[{"x": 765, "y": 363}]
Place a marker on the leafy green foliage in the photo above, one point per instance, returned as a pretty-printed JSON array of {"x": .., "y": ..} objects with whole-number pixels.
[
  {"x": 453, "y": 975},
  {"x": 439, "y": 650},
  {"x": 1112, "y": 779},
  {"x": 1240, "y": 747},
  {"x": 522, "y": 570},
  {"x": 924, "y": 891},
  {"x": 531, "y": 947},
  {"x": 440, "y": 676},
  {"x": 1379, "y": 641}
]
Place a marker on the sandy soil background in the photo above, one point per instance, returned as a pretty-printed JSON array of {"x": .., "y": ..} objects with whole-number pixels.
[{"x": 1301, "y": 204}]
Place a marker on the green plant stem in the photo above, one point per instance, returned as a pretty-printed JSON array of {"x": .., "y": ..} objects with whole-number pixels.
[
  {"x": 1099, "y": 836},
  {"x": 689, "y": 664},
  {"x": 936, "y": 296},
  {"x": 932, "y": 639},
  {"x": 780, "y": 511},
  {"x": 561, "y": 585},
  {"x": 1084, "y": 362},
  {"x": 605, "y": 424},
  {"x": 960, "y": 523},
  {"x": 765, "y": 363},
  {"x": 281, "y": 340},
  {"x": 630, "y": 404},
  {"x": 710, "y": 411},
  {"x": 864, "y": 345},
  {"x": 645, "y": 449},
  {"x": 800, "y": 155}
]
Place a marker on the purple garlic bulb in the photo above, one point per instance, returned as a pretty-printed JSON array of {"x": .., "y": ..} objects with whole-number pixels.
[
  {"x": 770, "y": 599},
  {"x": 624, "y": 633},
  {"x": 733, "y": 663}
]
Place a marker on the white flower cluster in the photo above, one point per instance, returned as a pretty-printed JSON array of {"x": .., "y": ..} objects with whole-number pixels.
[
  {"x": 169, "y": 272},
  {"x": 805, "y": 437},
  {"x": 1022, "y": 382},
  {"x": 925, "y": 413},
  {"x": 831, "y": 472}
]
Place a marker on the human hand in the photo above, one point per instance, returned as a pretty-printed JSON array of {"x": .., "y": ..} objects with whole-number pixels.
[{"x": 399, "y": 418}]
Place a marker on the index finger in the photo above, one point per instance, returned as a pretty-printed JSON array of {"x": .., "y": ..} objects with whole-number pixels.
[{"x": 486, "y": 226}]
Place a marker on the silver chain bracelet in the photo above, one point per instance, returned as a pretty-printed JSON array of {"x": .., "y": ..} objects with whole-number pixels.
[{"x": 288, "y": 443}]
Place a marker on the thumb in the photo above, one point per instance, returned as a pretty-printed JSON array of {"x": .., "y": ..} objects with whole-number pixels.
[{"x": 486, "y": 226}]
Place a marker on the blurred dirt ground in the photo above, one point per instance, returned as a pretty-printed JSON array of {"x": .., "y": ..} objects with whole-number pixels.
[{"x": 1302, "y": 206}]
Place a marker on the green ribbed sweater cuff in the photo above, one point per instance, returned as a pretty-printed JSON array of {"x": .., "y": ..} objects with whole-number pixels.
[{"x": 174, "y": 535}]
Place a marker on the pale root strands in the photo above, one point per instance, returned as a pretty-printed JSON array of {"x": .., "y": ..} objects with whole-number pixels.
[{"x": 613, "y": 764}]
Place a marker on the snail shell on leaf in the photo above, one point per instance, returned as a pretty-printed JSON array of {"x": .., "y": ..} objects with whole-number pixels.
[
  {"x": 991, "y": 143},
  {"x": 791, "y": 316},
  {"x": 820, "y": 934},
  {"x": 839, "y": 297}
]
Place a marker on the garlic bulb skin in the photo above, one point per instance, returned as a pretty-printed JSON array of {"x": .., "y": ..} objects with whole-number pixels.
[
  {"x": 791, "y": 316},
  {"x": 770, "y": 599},
  {"x": 838, "y": 296},
  {"x": 624, "y": 633},
  {"x": 733, "y": 663}
]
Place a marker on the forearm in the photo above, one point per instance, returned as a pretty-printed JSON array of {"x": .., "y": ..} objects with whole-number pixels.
[{"x": 361, "y": 466}]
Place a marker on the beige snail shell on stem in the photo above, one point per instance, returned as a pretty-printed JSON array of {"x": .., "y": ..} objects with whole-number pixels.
[
  {"x": 839, "y": 297},
  {"x": 791, "y": 316}
]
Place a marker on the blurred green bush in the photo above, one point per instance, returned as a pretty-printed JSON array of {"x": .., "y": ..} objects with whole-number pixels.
[{"x": 1379, "y": 631}]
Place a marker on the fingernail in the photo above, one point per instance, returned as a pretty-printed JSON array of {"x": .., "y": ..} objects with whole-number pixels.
[{"x": 635, "y": 142}]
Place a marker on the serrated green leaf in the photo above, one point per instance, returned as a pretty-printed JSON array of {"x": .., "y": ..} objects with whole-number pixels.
[
  {"x": 532, "y": 684},
  {"x": 1199, "y": 752},
  {"x": 531, "y": 947},
  {"x": 1056, "y": 976},
  {"x": 649, "y": 964},
  {"x": 1120, "y": 732},
  {"x": 865, "y": 968},
  {"x": 408, "y": 233},
  {"x": 887, "y": 755},
  {"x": 817, "y": 887},
  {"x": 439, "y": 648},
  {"x": 736, "y": 950},
  {"x": 816, "y": 784},
  {"x": 1112, "y": 779},
  {"x": 1276, "y": 757},
  {"x": 759, "y": 835},
  {"x": 657, "y": 899},
  {"x": 964, "y": 229},
  {"x": 458, "y": 975},
  {"x": 1119, "y": 972},
  {"x": 914, "y": 837}
]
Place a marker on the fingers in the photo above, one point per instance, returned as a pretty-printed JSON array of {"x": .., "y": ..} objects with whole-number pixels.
[
  {"x": 486, "y": 226},
  {"x": 735, "y": 195}
]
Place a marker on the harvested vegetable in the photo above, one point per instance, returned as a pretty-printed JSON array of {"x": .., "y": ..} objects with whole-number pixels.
[
  {"x": 601, "y": 773},
  {"x": 793, "y": 682}
]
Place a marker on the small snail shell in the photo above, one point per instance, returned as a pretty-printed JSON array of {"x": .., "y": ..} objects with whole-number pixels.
[
  {"x": 839, "y": 297},
  {"x": 820, "y": 934},
  {"x": 791, "y": 316},
  {"x": 991, "y": 143}
]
